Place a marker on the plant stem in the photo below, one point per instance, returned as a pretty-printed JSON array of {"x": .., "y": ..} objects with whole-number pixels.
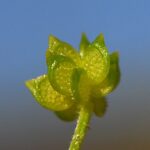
[{"x": 81, "y": 127}]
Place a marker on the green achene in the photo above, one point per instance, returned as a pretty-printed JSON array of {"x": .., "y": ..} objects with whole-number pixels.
[{"x": 76, "y": 83}]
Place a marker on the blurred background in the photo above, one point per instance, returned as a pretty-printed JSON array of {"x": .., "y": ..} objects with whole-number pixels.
[{"x": 24, "y": 30}]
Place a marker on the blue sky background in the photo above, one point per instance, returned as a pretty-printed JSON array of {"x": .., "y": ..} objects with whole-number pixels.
[{"x": 24, "y": 30}]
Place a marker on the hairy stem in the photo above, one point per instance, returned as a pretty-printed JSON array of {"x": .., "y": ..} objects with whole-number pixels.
[{"x": 81, "y": 127}]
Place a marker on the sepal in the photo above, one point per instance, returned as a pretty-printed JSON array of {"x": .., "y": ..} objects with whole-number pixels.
[
  {"x": 46, "y": 96},
  {"x": 113, "y": 77}
]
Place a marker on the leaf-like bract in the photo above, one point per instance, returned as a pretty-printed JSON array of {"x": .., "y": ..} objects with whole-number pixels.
[
  {"x": 69, "y": 114},
  {"x": 100, "y": 106}
]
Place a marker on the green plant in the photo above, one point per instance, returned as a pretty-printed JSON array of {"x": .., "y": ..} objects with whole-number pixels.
[{"x": 76, "y": 83}]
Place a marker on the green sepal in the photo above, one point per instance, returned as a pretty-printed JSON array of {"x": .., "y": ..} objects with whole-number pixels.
[
  {"x": 46, "y": 96},
  {"x": 58, "y": 47},
  {"x": 68, "y": 115},
  {"x": 100, "y": 106},
  {"x": 96, "y": 60},
  {"x": 81, "y": 85},
  {"x": 113, "y": 77},
  {"x": 60, "y": 70},
  {"x": 84, "y": 43},
  {"x": 99, "y": 41}
]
